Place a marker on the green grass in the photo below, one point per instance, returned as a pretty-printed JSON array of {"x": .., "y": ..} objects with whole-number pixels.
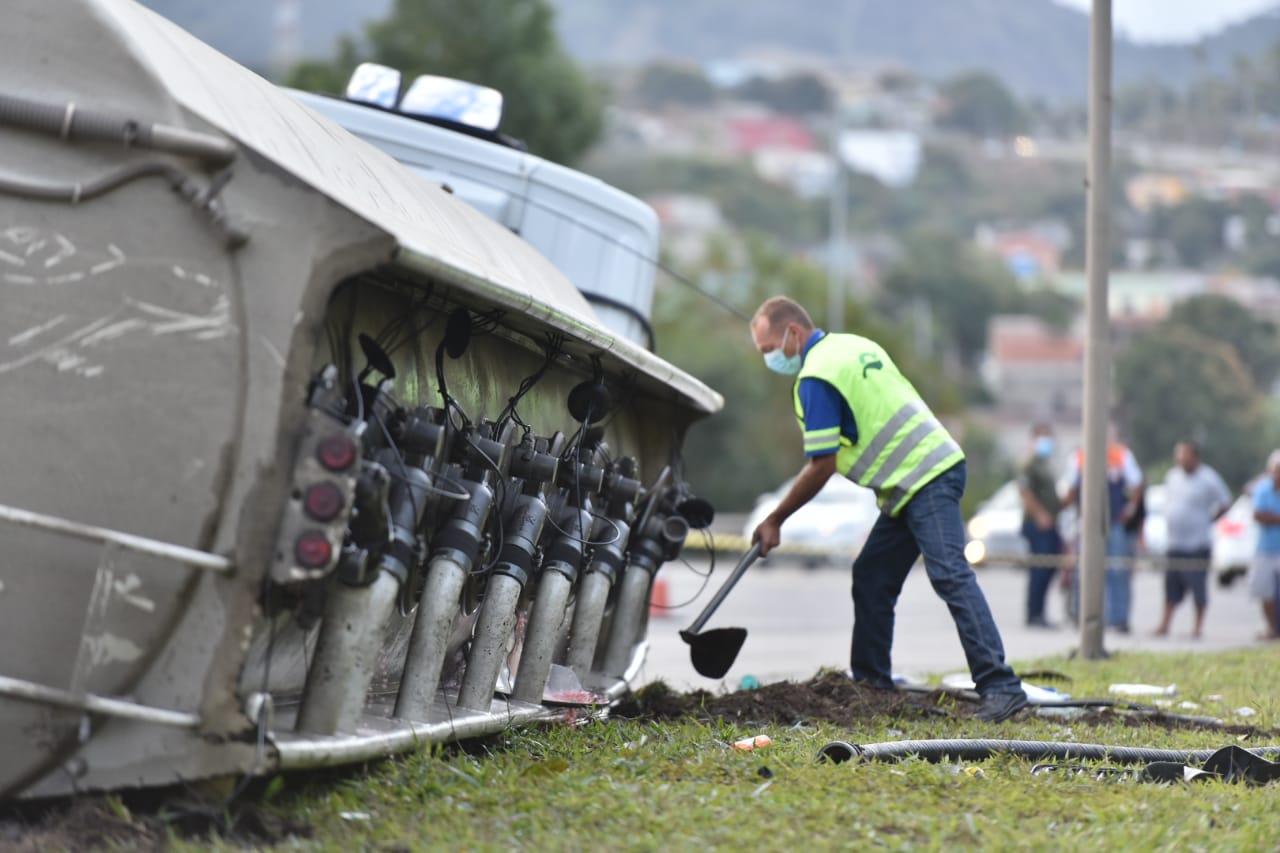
[{"x": 627, "y": 785}]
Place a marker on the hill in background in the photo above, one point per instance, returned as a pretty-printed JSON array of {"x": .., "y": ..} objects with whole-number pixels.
[{"x": 1037, "y": 47}]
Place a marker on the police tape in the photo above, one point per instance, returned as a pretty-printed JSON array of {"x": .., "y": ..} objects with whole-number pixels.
[
  {"x": 1142, "y": 562},
  {"x": 728, "y": 543},
  {"x": 733, "y": 544}
]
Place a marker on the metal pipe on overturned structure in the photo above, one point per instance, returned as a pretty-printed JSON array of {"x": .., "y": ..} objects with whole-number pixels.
[
  {"x": 359, "y": 603},
  {"x": 454, "y": 555},
  {"x": 550, "y": 605},
  {"x": 339, "y": 676},
  {"x": 593, "y": 597},
  {"x": 655, "y": 539},
  {"x": 497, "y": 616}
]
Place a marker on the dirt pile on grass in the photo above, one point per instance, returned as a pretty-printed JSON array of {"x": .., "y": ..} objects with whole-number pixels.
[
  {"x": 830, "y": 697},
  {"x": 833, "y": 697}
]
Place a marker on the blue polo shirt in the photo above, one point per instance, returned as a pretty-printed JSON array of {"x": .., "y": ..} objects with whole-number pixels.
[
  {"x": 824, "y": 407},
  {"x": 1267, "y": 499}
]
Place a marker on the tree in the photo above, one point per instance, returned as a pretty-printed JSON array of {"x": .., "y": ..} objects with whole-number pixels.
[
  {"x": 747, "y": 201},
  {"x": 663, "y": 83},
  {"x": 1265, "y": 260},
  {"x": 794, "y": 94},
  {"x": 1175, "y": 383},
  {"x": 988, "y": 467},
  {"x": 959, "y": 288},
  {"x": 510, "y": 45},
  {"x": 1194, "y": 227},
  {"x": 1227, "y": 321},
  {"x": 978, "y": 104}
]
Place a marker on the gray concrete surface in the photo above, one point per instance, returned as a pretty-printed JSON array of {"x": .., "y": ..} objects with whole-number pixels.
[{"x": 800, "y": 620}]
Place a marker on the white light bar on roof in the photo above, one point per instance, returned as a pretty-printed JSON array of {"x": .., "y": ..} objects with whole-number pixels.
[
  {"x": 454, "y": 100},
  {"x": 375, "y": 84}
]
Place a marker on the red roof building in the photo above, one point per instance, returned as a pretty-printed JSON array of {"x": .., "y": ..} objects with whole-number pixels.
[{"x": 749, "y": 134}]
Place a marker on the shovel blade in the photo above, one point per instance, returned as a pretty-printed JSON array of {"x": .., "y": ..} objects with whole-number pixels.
[{"x": 713, "y": 652}]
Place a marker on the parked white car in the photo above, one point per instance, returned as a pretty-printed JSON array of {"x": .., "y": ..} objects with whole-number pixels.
[
  {"x": 995, "y": 530},
  {"x": 1155, "y": 529},
  {"x": 1235, "y": 538},
  {"x": 830, "y": 527}
]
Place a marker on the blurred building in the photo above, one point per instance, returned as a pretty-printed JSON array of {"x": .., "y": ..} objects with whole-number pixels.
[
  {"x": 748, "y": 133},
  {"x": 1140, "y": 297},
  {"x": 1150, "y": 190},
  {"x": 687, "y": 221},
  {"x": 892, "y": 157},
  {"x": 1034, "y": 372}
]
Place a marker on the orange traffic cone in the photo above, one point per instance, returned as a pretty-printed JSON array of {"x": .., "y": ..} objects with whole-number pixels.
[{"x": 659, "y": 599}]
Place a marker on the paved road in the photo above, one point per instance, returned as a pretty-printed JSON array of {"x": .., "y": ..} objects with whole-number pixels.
[{"x": 799, "y": 620}]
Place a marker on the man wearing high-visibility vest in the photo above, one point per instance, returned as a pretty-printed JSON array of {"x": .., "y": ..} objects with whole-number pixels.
[{"x": 861, "y": 418}]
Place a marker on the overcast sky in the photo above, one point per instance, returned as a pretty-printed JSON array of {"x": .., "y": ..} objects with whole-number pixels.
[{"x": 1176, "y": 20}]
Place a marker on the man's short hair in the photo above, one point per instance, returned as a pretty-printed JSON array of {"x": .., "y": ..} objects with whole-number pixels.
[
  {"x": 1191, "y": 444},
  {"x": 1273, "y": 461},
  {"x": 778, "y": 311}
]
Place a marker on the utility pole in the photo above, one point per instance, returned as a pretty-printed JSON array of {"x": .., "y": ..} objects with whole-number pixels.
[
  {"x": 838, "y": 246},
  {"x": 286, "y": 43},
  {"x": 1094, "y": 516}
]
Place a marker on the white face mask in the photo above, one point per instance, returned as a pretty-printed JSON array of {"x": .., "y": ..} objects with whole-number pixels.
[{"x": 778, "y": 361}]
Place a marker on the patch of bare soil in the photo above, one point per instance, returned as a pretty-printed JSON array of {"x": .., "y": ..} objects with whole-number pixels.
[
  {"x": 145, "y": 825},
  {"x": 833, "y": 697},
  {"x": 1167, "y": 721},
  {"x": 829, "y": 697}
]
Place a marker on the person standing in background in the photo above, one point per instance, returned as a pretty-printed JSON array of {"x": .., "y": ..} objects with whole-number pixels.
[
  {"x": 1124, "y": 498},
  {"x": 1040, "y": 508},
  {"x": 1195, "y": 497},
  {"x": 1264, "y": 574}
]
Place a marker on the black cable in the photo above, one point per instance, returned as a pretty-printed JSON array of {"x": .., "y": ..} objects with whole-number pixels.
[
  {"x": 710, "y": 542},
  {"x": 450, "y": 404},
  {"x": 979, "y": 749},
  {"x": 432, "y": 319},
  {"x": 495, "y": 513},
  {"x": 552, "y": 351},
  {"x": 487, "y": 322},
  {"x": 617, "y": 531},
  {"x": 619, "y": 305}
]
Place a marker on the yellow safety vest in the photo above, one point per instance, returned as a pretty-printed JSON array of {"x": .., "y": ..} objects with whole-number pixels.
[{"x": 901, "y": 445}]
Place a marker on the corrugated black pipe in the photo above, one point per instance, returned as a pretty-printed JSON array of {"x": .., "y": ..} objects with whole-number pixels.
[{"x": 979, "y": 750}]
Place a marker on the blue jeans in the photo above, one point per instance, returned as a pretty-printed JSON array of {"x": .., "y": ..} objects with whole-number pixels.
[
  {"x": 1119, "y": 580},
  {"x": 930, "y": 524},
  {"x": 1040, "y": 541}
]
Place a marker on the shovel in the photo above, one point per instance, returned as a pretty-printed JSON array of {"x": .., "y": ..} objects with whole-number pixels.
[{"x": 713, "y": 652}]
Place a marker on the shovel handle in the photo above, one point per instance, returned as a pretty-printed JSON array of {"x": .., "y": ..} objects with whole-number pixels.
[{"x": 740, "y": 570}]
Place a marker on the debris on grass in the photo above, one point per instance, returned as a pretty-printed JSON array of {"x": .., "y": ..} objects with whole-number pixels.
[
  {"x": 749, "y": 743},
  {"x": 1144, "y": 689}
]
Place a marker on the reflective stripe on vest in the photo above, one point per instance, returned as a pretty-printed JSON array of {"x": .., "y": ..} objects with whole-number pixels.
[
  {"x": 881, "y": 439},
  {"x": 906, "y": 487},
  {"x": 901, "y": 445}
]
